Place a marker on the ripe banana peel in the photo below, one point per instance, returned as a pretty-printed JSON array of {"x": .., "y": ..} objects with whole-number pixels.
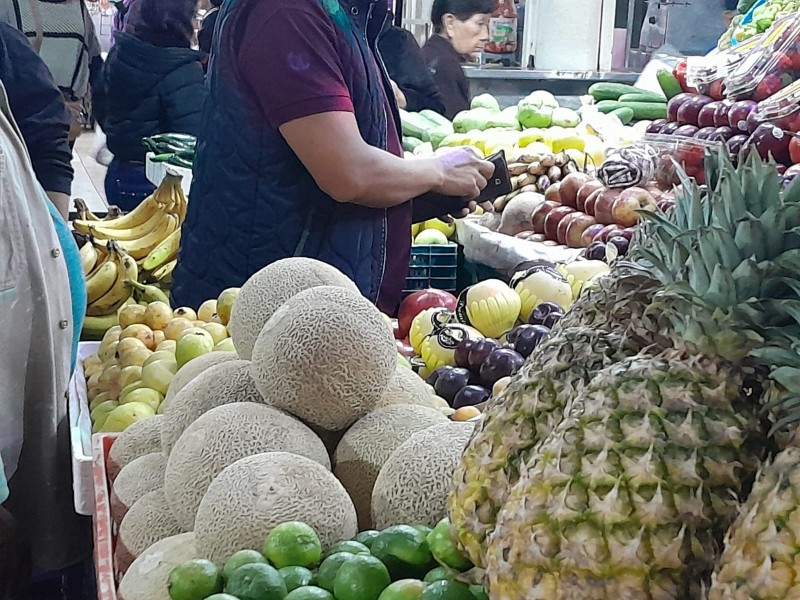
[
  {"x": 164, "y": 273},
  {"x": 120, "y": 291},
  {"x": 148, "y": 293},
  {"x": 163, "y": 253}
]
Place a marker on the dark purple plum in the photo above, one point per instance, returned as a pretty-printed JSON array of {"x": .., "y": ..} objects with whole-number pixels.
[
  {"x": 686, "y": 131},
  {"x": 553, "y": 318},
  {"x": 450, "y": 383},
  {"x": 500, "y": 363},
  {"x": 738, "y": 113},
  {"x": 704, "y": 133},
  {"x": 480, "y": 351},
  {"x": 721, "y": 134},
  {"x": 596, "y": 251},
  {"x": 689, "y": 112},
  {"x": 674, "y": 105},
  {"x": 471, "y": 395},
  {"x": 528, "y": 337},
  {"x": 705, "y": 117},
  {"x": 655, "y": 126},
  {"x": 620, "y": 243},
  {"x": 462, "y": 353},
  {"x": 540, "y": 312},
  {"x": 433, "y": 377},
  {"x": 669, "y": 128}
]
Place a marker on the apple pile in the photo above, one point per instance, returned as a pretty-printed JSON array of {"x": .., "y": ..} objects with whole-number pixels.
[{"x": 537, "y": 172}]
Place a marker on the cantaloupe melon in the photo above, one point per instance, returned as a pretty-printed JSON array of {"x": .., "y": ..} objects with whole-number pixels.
[
  {"x": 368, "y": 445},
  {"x": 148, "y": 521},
  {"x": 326, "y": 356},
  {"x": 406, "y": 387},
  {"x": 253, "y": 495},
  {"x": 143, "y": 437},
  {"x": 148, "y": 576},
  {"x": 224, "y": 435},
  {"x": 268, "y": 289},
  {"x": 194, "y": 368},
  {"x": 222, "y": 384},
  {"x": 413, "y": 484},
  {"x": 138, "y": 477}
]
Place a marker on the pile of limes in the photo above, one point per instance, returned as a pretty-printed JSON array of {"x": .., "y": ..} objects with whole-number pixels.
[{"x": 403, "y": 562}]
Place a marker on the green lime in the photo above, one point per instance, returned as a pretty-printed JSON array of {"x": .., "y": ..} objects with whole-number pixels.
[
  {"x": 293, "y": 544},
  {"x": 350, "y": 546},
  {"x": 330, "y": 567},
  {"x": 361, "y": 578},
  {"x": 423, "y": 529},
  {"x": 478, "y": 592},
  {"x": 241, "y": 558},
  {"x": 367, "y": 537},
  {"x": 194, "y": 580},
  {"x": 446, "y": 590},
  {"x": 442, "y": 542},
  {"x": 256, "y": 581},
  {"x": 403, "y": 542},
  {"x": 295, "y": 577},
  {"x": 309, "y": 592},
  {"x": 405, "y": 589},
  {"x": 438, "y": 574},
  {"x": 222, "y": 597}
]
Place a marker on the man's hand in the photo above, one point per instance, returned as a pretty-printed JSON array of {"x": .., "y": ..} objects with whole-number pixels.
[{"x": 463, "y": 174}]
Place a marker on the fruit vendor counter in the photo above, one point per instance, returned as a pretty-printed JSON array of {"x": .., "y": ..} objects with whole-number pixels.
[
  {"x": 504, "y": 253},
  {"x": 508, "y": 85},
  {"x": 156, "y": 171}
]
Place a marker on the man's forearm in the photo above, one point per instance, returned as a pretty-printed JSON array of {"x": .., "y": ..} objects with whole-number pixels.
[
  {"x": 383, "y": 180},
  {"x": 61, "y": 202}
]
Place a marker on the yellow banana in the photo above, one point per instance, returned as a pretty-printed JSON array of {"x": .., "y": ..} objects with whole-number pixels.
[
  {"x": 89, "y": 256},
  {"x": 120, "y": 291},
  {"x": 164, "y": 273},
  {"x": 83, "y": 210},
  {"x": 163, "y": 252},
  {"x": 149, "y": 293},
  {"x": 137, "y": 216},
  {"x": 96, "y": 327},
  {"x": 142, "y": 247},
  {"x": 102, "y": 281},
  {"x": 132, "y": 233}
]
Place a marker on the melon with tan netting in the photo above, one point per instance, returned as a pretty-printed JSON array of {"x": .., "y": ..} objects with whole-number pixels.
[{"x": 143, "y": 437}]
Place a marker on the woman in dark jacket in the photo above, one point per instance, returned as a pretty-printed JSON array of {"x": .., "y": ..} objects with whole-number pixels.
[
  {"x": 461, "y": 29},
  {"x": 152, "y": 82}
]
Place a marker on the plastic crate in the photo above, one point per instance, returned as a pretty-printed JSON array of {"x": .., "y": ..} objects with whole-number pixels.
[
  {"x": 103, "y": 526},
  {"x": 80, "y": 428},
  {"x": 432, "y": 266}
]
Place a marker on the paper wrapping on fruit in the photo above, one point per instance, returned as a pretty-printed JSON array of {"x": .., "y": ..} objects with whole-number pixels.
[{"x": 628, "y": 167}]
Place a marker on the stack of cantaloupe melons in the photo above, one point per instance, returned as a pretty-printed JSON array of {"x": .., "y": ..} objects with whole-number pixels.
[{"x": 297, "y": 427}]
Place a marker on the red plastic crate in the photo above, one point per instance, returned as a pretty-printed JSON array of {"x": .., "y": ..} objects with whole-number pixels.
[{"x": 104, "y": 529}]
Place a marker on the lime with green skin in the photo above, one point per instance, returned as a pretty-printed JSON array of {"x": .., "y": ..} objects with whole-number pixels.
[
  {"x": 404, "y": 551},
  {"x": 256, "y": 581},
  {"x": 222, "y": 597},
  {"x": 326, "y": 575},
  {"x": 367, "y": 537},
  {"x": 442, "y": 543},
  {"x": 478, "y": 592},
  {"x": 350, "y": 546},
  {"x": 194, "y": 580},
  {"x": 241, "y": 558},
  {"x": 309, "y": 593},
  {"x": 447, "y": 590},
  {"x": 405, "y": 589},
  {"x": 361, "y": 578},
  {"x": 423, "y": 529},
  {"x": 293, "y": 544},
  {"x": 438, "y": 574},
  {"x": 295, "y": 577}
]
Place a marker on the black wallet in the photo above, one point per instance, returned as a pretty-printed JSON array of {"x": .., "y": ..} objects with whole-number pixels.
[{"x": 499, "y": 184}]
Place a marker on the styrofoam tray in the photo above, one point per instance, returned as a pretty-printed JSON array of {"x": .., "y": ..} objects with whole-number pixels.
[
  {"x": 155, "y": 173},
  {"x": 80, "y": 427}
]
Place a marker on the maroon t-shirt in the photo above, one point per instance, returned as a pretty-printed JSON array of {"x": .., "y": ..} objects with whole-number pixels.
[{"x": 307, "y": 77}]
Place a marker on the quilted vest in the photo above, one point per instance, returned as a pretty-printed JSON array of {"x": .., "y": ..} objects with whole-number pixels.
[{"x": 252, "y": 201}]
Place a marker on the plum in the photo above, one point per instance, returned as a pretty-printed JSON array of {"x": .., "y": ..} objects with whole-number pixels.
[
  {"x": 451, "y": 382},
  {"x": 704, "y": 133},
  {"x": 542, "y": 310},
  {"x": 705, "y": 117},
  {"x": 433, "y": 377},
  {"x": 462, "y": 352},
  {"x": 500, "y": 363},
  {"x": 621, "y": 243},
  {"x": 721, "y": 113},
  {"x": 596, "y": 251},
  {"x": 770, "y": 141},
  {"x": 736, "y": 143},
  {"x": 669, "y": 128},
  {"x": 721, "y": 134},
  {"x": 470, "y": 395},
  {"x": 553, "y": 318},
  {"x": 528, "y": 337},
  {"x": 480, "y": 351}
]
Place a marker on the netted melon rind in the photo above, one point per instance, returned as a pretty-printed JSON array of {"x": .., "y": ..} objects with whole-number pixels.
[
  {"x": 148, "y": 576},
  {"x": 192, "y": 369},
  {"x": 143, "y": 437},
  {"x": 406, "y": 387},
  {"x": 137, "y": 478}
]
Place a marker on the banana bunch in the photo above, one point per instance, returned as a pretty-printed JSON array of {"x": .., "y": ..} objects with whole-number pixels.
[
  {"x": 108, "y": 285},
  {"x": 144, "y": 229},
  {"x": 85, "y": 214}
]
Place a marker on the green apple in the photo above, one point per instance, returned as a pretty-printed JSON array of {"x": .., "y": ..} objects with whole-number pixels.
[{"x": 430, "y": 237}]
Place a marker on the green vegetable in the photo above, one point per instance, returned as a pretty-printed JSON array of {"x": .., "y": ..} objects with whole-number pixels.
[
  {"x": 162, "y": 157},
  {"x": 744, "y": 6},
  {"x": 415, "y": 125},
  {"x": 624, "y": 113},
  {"x": 611, "y": 91},
  {"x": 437, "y": 134},
  {"x": 530, "y": 114},
  {"x": 642, "y": 97},
  {"x": 409, "y": 143},
  {"x": 180, "y": 162},
  {"x": 506, "y": 119},
  {"x": 437, "y": 119},
  {"x": 649, "y": 111},
  {"x": 669, "y": 83},
  {"x": 486, "y": 101},
  {"x": 476, "y": 118}
]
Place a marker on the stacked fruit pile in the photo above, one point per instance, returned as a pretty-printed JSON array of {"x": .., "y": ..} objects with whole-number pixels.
[
  {"x": 754, "y": 17},
  {"x": 121, "y": 255},
  {"x": 127, "y": 379},
  {"x": 618, "y": 461},
  {"x": 402, "y": 562}
]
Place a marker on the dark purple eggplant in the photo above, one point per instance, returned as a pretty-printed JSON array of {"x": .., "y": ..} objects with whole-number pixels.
[{"x": 655, "y": 126}]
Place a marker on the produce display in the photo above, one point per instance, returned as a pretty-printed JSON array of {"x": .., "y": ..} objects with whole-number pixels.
[
  {"x": 755, "y": 17},
  {"x": 172, "y": 148},
  {"x": 129, "y": 377}
]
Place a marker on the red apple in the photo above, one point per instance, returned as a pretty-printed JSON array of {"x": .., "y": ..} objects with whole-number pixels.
[
  {"x": 577, "y": 224},
  {"x": 415, "y": 303},
  {"x": 553, "y": 193},
  {"x": 602, "y": 206},
  {"x": 396, "y": 330},
  {"x": 794, "y": 151},
  {"x": 405, "y": 348},
  {"x": 570, "y": 186},
  {"x": 588, "y": 206},
  {"x": 539, "y": 215},
  {"x": 552, "y": 220},
  {"x": 625, "y": 210},
  {"x": 665, "y": 204},
  {"x": 627, "y": 233},
  {"x": 590, "y": 233},
  {"x": 607, "y": 232},
  {"x": 585, "y": 191}
]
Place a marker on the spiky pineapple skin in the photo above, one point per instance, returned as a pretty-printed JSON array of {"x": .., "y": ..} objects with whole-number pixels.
[
  {"x": 534, "y": 403},
  {"x": 761, "y": 560},
  {"x": 628, "y": 498}
]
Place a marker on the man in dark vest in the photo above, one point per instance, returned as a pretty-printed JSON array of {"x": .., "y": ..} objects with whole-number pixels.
[{"x": 299, "y": 153}]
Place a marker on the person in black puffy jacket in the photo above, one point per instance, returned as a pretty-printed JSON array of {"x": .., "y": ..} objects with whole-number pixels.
[{"x": 152, "y": 82}]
